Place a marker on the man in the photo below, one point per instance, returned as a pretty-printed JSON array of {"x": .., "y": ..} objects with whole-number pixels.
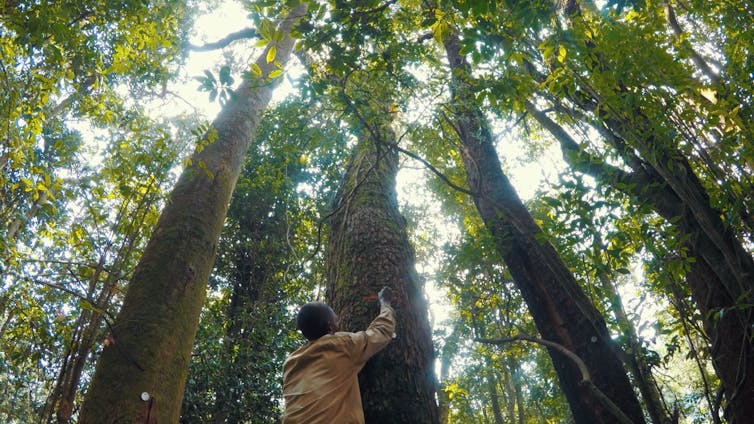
[{"x": 320, "y": 383}]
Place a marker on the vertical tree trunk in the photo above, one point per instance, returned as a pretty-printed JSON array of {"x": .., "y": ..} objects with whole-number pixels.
[
  {"x": 510, "y": 392},
  {"x": 141, "y": 375},
  {"x": 561, "y": 311},
  {"x": 368, "y": 249},
  {"x": 446, "y": 358},
  {"x": 443, "y": 398},
  {"x": 497, "y": 413},
  {"x": 515, "y": 383}
]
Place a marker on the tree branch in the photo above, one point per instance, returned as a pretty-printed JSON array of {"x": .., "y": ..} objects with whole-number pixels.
[
  {"x": 695, "y": 56},
  {"x": 577, "y": 157},
  {"x": 586, "y": 380},
  {"x": 430, "y": 167},
  {"x": 245, "y": 33}
]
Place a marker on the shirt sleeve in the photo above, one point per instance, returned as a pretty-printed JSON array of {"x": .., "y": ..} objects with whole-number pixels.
[{"x": 374, "y": 338}]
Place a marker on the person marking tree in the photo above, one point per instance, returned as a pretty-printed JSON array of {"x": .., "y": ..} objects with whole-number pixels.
[{"x": 320, "y": 379}]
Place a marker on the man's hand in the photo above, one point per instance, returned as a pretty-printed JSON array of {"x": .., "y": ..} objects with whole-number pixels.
[{"x": 386, "y": 296}]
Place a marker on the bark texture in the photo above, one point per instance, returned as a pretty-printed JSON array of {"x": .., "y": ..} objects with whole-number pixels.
[
  {"x": 561, "y": 311},
  {"x": 140, "y": 377},
  {"x": 368, "y": 249},
  {"x": 720, "y": 279}
]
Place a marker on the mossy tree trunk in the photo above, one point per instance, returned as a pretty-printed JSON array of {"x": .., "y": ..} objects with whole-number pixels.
[
  {"x": 152, "y": 337},
  {"x": 562, "y": 312},
  {"x": 368, "y": 248}
]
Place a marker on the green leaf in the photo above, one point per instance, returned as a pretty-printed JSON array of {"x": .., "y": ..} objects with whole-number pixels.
[
  {"x": 256, "y": 70},
  {"x": 276, "y": 73},
  {"x": 561, "y": 53},
  {"x": 266, "y": 29},
  {"x": 440, "y": 31},
  {"x": 271, "y": 53},
  {"x": 225, "y": 77}
]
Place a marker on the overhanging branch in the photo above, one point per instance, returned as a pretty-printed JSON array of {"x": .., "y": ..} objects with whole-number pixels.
[
  {"x": 245, "y": 33},
  {"x": 586, "y": 380}
]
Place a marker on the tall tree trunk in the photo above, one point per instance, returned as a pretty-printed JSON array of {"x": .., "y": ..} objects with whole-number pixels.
[
  {"x": 561, "y": 311},
  {"x": 506, "y": 383},
  {"x": 368, "y": 249},
  {"x": 446, "y": 358},
  {"x": 140, "y": 377},
  {"x": 515, "y": 382},
  {"x": 443, "y": 398},
  {"x": 720, "y": 278},
  {"x": 497, "y": 413}
]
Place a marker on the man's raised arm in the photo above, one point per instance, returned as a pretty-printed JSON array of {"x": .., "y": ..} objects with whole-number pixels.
[{"x": 380, "y": 331}]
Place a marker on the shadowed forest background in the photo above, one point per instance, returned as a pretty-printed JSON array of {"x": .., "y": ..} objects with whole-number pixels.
[{"x": 560, "y": 192}]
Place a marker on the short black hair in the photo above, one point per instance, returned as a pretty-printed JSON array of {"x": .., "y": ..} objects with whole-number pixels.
[{"x": 313, "y": 320}]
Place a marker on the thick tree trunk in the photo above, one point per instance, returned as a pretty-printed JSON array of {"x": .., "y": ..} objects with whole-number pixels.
[
  {"x": 368, "y": 249},
  {"x": 721, "y": 277},
  {"x": 663, "y": 177},
  {"x": 141, "y": 375},
  {"x": 561, "y": 311}
]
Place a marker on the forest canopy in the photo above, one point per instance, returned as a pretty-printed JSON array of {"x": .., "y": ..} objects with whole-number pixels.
[{"x": 560, "y": 192}]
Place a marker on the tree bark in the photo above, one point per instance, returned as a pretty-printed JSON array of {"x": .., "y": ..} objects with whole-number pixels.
[
  {"x": 368, "y": 249},
  {"x": 140, "y": 377},
  {"x": 494, "y": 393},
  {"x": 446, "y": 358},
  {"x": 515, "y": 382},
  {"x": 720, "y": 278},
  {"x": 561, "y": 311}
]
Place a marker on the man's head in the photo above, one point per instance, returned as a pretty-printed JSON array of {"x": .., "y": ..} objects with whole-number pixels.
[{"x": 315, "y": 319}]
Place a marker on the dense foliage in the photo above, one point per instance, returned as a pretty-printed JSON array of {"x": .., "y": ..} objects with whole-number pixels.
[{"x": 636, "y": 116}]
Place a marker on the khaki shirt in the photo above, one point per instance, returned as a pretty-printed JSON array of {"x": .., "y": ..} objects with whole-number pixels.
[{"x": 320, "y": 383}]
